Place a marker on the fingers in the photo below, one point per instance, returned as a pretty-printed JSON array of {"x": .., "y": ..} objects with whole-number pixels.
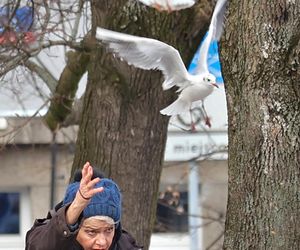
[
  {"x": 96, "y": 190},
  {"x": 87, "y": 185},
  {"x": 92, "y": 183},
  {"x": 84, "y": 170},
  {"x": 87, "y": 173}
]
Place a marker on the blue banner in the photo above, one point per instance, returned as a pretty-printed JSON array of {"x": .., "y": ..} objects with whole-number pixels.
[
  {"x": 21, "y": 22},
  {"x": 213, "y": 61}
]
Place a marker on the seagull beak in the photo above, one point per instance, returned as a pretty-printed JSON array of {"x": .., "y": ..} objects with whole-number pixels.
[{"x": 216, "y": 85}]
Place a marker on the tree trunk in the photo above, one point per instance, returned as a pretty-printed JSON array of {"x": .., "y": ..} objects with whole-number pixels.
[
  {"x": 122, "y": 131},
  {"x": 260, "y": 58}
]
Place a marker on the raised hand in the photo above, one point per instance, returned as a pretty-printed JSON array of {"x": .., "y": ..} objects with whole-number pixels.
[
  {"x": 86, "y": 188},
  {"x": 84, "y": 194}
]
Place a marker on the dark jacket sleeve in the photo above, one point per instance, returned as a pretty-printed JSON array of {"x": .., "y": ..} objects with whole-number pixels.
[
  {"x": 51, "y": 233},
  {"x": 127, "y": 242}
]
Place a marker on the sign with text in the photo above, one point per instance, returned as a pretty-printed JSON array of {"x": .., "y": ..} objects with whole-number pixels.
[{"x": 187, "y": 146}]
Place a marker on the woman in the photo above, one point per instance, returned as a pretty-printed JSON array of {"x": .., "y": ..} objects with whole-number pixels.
[{"x": 87, "y": 219}]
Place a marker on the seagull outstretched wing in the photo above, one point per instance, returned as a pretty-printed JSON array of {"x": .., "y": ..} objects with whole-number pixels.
[
  {"x": 214, "y": 33},
  {"x": 146, "y": 53}
]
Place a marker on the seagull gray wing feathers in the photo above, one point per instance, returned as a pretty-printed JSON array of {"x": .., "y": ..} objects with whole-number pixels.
[
  {"x": 214, "y": 33},
  {"x": 146, "y": 53}
]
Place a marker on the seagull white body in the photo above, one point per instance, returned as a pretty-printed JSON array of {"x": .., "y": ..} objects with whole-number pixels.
[
  {"x": 169, "y": 5},
  {"x": 147, "y": 53},
  {"x": 199, "y": 87}
]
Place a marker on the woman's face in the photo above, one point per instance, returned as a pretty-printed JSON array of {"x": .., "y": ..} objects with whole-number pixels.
[{"x": 95, "y": 234}]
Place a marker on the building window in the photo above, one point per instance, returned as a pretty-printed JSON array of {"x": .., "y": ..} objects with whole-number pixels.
[
  {"x": 172, "y": 211},
  {"x": 9, "y": 213},
  {"x": 15, "y": 217}
]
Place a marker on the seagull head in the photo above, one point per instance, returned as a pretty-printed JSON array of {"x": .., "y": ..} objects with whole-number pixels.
[{"x": 210, "y": 79}]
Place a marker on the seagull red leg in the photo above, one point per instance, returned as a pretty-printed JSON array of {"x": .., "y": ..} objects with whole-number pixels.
[
  {"x": 206, "y": 118},
  {"x": 193, "y": 125}
]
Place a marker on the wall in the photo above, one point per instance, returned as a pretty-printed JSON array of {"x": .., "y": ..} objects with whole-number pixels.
[{"x": 29, "y": 167}]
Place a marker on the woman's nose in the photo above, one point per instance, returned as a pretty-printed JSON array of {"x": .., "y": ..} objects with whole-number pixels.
[{"x": 100, "y": 239}]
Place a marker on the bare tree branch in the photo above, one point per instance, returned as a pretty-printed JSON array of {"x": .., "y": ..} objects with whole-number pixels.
[
  {"x": 48, "y": 78},
  {"x": 63, "y": 98},
  {"x": 10, "y": 63},
  {"x": 77, "y": 20}
]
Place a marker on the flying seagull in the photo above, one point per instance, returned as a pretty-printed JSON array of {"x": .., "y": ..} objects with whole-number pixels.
[
  {"x": 147, "y": 53},
  {"x": 169, "y": 5}
]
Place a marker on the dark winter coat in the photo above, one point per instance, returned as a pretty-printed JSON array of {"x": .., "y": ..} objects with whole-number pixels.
[{"x": 53, "y": 233}]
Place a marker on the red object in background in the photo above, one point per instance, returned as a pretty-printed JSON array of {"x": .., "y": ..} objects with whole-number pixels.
[
  {"x": 29, "y": 37},
  {"x": 10, "y": 38},
  {"x": 15, "y": 30}
]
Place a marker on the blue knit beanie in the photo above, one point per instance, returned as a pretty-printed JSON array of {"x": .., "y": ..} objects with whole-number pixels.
[{"x": 105, "y": 203}]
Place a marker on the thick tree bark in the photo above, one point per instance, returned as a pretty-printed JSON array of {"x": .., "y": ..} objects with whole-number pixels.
[
  {"x": 260, "y": 56},
  {"x": 122, "y": 131}
]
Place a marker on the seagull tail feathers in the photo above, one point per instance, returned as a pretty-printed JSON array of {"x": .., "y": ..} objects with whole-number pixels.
[{"x": 178, "y": 107}]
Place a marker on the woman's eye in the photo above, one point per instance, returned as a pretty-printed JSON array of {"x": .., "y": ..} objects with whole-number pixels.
[
  {"x": 109, "y": 230},
  {"x": 91, "y": 233}
]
